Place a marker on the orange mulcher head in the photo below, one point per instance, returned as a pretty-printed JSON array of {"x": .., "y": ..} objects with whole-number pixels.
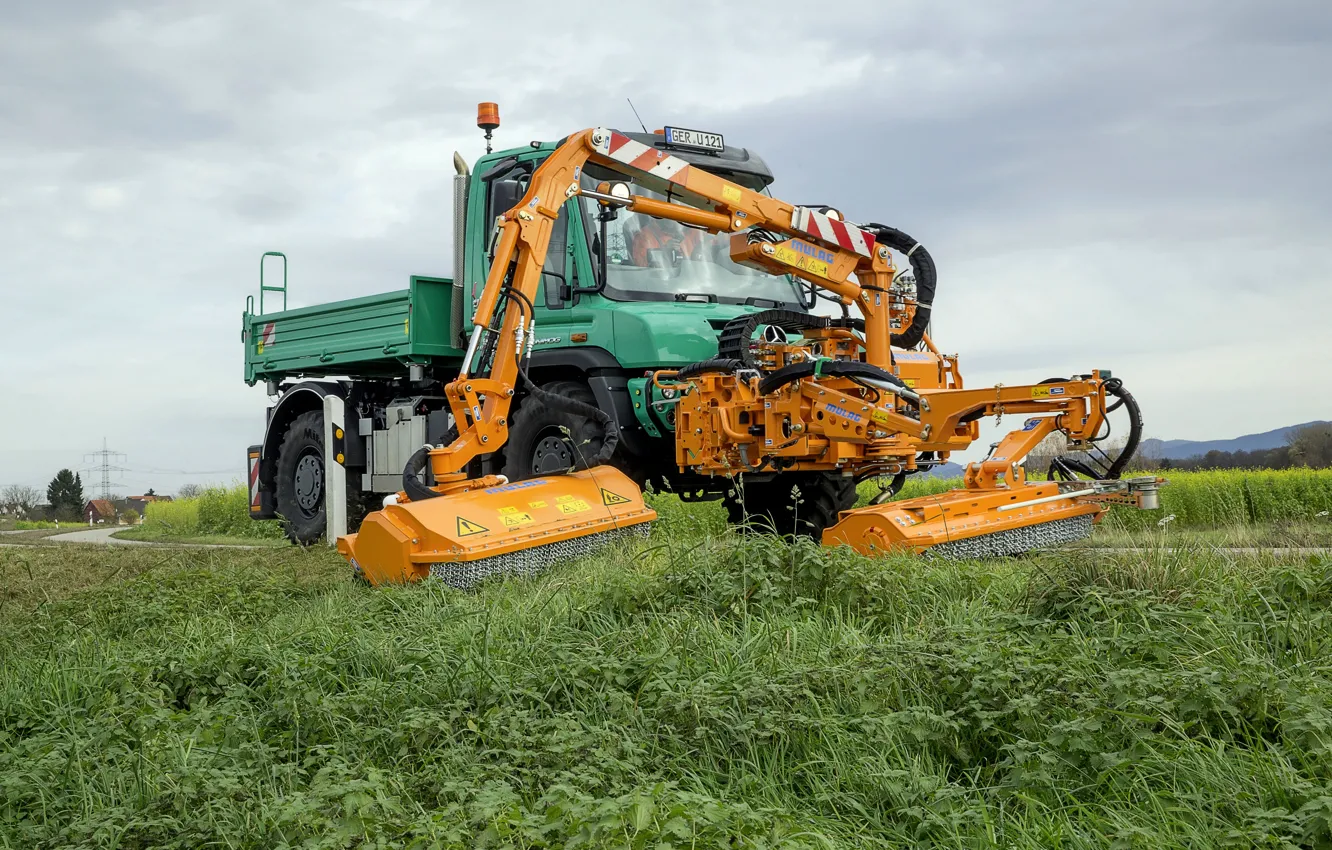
[
  {"x": 985, "y": 523},
  {"x": 518, "y": 528}
]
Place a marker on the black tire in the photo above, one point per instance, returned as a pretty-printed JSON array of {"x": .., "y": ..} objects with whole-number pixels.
[
  {"x": 543, "y": 441},
  {"x": 771, "y": 507},
  {"x": 301, "y": 483},
  {"x": 300, "y": 479}
]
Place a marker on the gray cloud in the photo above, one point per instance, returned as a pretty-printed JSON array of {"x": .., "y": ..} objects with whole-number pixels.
[{"x": 1140, "y": 186}]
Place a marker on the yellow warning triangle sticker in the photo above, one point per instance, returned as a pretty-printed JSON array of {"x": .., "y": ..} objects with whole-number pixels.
[
  {"x": 608, "y": 498},
  {"x": 466, "y": 527}
]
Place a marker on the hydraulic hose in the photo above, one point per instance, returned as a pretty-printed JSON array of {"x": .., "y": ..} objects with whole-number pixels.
[
  {"x": 716, "y": 364},
  {"x": 1067, "y": 467},
  {"x": 411, "y": 483},
  {"x": 927, "y": 278},
  {"x": 832, "y": 368},
  {"x": 1115, "y": 387},
  {"x": 734, "y": 340},
  {"x": 578, "y": 408}
]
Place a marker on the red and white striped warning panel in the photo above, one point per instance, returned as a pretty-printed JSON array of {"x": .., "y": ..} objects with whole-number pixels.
[
  {"x": 270, "y": 334},
  {"x": 255, "y": 504},
  {"x": 658, "y": 163},
  {"x": 832, "y": 231}
]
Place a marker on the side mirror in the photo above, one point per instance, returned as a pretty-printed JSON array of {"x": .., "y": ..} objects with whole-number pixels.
[
  {"x": 501, "y": 168},
  {"x": 505, "y": 195}
]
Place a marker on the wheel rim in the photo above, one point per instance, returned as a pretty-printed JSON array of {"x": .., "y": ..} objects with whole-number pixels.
[
  {"x": 552, "y": 453},
  {"x": 309, "y": 482}
]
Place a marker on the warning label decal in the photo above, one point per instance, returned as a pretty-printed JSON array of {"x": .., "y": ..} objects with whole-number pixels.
[
  {"x": 608, "y": 498},
  {"x": 467, "y": 527}
]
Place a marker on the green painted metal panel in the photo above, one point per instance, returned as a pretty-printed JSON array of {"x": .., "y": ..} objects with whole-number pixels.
[
  {"x": 666, "y": 333},
  {"x": 376, "y": 334},
  {"x": 639, "y": 393}
]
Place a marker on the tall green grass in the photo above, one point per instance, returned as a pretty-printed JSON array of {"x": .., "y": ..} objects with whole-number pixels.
[
  {"x": 1206, "y": 499},
  {"x": 216, "y": 511},
  {"x": 1235, "y": 497},
  {"x": 692, "y": 691}
]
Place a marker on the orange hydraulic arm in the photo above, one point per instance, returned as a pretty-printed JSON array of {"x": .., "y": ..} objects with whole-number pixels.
[{"x": 821, "y": 250}]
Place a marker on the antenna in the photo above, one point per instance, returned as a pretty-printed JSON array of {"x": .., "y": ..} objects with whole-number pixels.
[{"x": 640, "y": 120}]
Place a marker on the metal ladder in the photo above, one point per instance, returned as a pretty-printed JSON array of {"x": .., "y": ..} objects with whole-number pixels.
[{"x": 264, "y": 287}]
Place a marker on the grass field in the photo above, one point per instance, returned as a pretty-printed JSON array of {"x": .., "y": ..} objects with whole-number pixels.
[
  {"x": 157, "y": 534},
  {"x": 699, "y": 690},
  {"x": 34, "y": 535}
]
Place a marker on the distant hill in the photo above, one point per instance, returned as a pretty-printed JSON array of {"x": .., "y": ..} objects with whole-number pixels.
[{"x": 1181, "y": 449}]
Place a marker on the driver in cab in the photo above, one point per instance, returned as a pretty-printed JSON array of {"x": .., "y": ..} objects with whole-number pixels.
[{"x": 664, "y": 236}]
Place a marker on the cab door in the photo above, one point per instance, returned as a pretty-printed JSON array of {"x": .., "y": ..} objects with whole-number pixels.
[{"x": 556, "y": 300}]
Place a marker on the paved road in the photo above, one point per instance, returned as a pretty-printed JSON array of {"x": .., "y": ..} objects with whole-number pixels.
[
  {"x": 103, "y": 536},
  {"x": 96, "y": 535}
]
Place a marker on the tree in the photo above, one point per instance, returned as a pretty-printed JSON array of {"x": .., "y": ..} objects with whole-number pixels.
[
  {"x": 130, "y": 516},
  {"x": 19, "y": 499},
  {"x": 65, "y": 493},
  {"x": 1311, "y": 445},
  {"x": 150, "y": 492},
  {"x": 1038, "y": 459},
  {"x": 189, "y": 491}
]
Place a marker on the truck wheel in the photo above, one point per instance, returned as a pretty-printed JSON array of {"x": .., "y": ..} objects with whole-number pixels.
[
  {"x": 301, "y": 483},
  {"x": 543, "y": 441},
  {"x": 771, "y": 507},
  {"x": 300, "y": 479}
]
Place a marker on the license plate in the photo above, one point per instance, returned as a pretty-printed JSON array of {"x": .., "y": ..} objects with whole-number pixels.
[{"x": 682, "y": 138}]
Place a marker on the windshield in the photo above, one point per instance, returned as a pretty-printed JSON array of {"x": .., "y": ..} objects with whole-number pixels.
[{"x": 651, "y": 259}]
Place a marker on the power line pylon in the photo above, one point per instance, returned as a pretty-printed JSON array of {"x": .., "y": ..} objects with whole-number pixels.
[{"x": 105, "y": 464}]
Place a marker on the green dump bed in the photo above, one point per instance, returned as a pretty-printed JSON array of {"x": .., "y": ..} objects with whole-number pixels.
[{"x": 378, "y": 335}]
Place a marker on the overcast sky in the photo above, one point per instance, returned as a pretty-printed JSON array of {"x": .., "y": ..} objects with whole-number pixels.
[{"x": 1140, "y": 186}]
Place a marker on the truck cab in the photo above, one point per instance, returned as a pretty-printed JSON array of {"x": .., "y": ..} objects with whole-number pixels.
[{"x": 621, "y": 294}]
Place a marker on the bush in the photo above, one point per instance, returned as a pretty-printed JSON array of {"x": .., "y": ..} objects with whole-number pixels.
[
  {"x": 915, "y": 487},
  {"x": 216, "y": 510},
  {"x": 34, "y": 524}
]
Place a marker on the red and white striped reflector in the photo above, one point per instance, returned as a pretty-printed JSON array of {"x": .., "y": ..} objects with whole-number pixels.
[
  {"x": 832, "y": 231},
  {"x": 658, "y": 163},
  {"x": 255, "y": 504},
  {"x": 637, "y": 155}
]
